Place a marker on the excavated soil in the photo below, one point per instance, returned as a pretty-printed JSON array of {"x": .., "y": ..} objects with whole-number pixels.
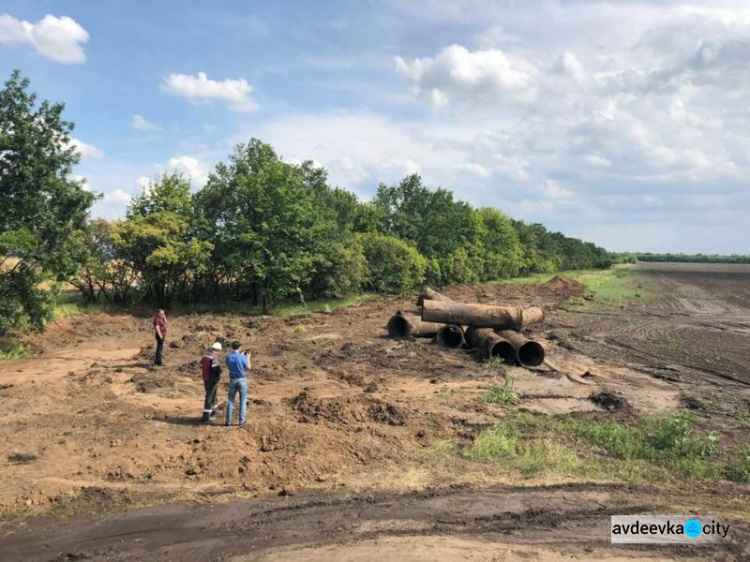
[{"x": 325, "y": 467}]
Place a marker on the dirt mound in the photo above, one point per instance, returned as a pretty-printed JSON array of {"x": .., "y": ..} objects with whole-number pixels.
[
  {"x": 609, "y": 401},
  {"x": 346, "y": 411},
  {"x": 561, "y": 284}
]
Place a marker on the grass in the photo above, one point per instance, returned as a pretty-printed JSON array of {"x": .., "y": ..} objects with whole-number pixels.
[
  {"x": 14, "y": 350},
  {"x": 501, "y": 393},
  {"x": 614, "y": 284},
  {"x": 665, "y": 448},
  {"x": 445, "y": 392},
  {"x": 668, "y": 441}
]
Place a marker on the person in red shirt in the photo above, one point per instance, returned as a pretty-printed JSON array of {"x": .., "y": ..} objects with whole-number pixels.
[
  {"x": 160, "y": 332},
  {"x": 211, "y": 373}
]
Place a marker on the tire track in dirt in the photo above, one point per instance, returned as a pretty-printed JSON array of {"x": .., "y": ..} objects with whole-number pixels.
[{"x": 568, "y": 516}]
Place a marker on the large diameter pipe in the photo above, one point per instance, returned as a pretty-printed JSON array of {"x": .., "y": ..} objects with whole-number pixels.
[
  {"x": 481, "y": 315},
  {"x": 491, "y": 345},
  {"x": 451, "y": 336},
  {"x": 431, "y": 295},
  {"x": 409, "y": 325},
  {"x": 528, "y": 352}
]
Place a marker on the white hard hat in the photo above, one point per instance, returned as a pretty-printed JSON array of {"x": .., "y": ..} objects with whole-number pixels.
[{"x": 216, "y": 346}]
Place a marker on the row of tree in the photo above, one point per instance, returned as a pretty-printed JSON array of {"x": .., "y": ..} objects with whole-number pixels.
[
  {"x": 694, "y": 258},
  {"x": 261, "y": 229},
  {"x": 266, "y": 230}
]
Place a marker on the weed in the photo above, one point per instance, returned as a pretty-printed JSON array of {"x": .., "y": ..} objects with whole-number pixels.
[
  {"x": 501, "y": 394},
  {"x": 738, "y": 469},
  {"x": 444, "y": 392},
  {"x": 669, "y": 441},
  {"x": 15, "y": 351},
  {"x": 300, "y": 329},
  {"x": 443, "y": 447},
  {"x": 495, "y": 363},
  {"x": 503, "y": 443},
  {"x": 22, "y": 458}
]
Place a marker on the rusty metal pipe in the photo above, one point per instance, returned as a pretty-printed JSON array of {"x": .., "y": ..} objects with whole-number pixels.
[
  {"x": 431, "y": 295},
  {"x": 451, "y": 336},
  {"x": 409, "y": 325},
  {"x": 529, "y": 353},
  {"x": 489, "y": 344},
  {"x": 481, "y": 315}
]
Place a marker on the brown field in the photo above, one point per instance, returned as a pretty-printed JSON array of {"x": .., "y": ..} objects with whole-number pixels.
[{"x": 103, "y": 457}]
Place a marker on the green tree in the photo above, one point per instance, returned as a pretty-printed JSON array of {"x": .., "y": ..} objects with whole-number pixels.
[
  {"x": 393, "y": 266},
  {"x": 261, "y": 213},
  {"x": 441, "y": 228},
  {"x": 503, "y": 254},
  {"x": 44, "y": 212},
  {"x": 159, "y": 241}
]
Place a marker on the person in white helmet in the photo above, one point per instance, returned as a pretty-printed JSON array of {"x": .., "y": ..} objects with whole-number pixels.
[{"x": 211, "y": 372}]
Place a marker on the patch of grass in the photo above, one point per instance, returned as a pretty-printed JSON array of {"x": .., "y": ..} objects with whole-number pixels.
[
  {"x": 14, "y": 350},
  {"x": 738, "y": 469},
  {"x": 668, "y": 441},
  {"x": 501, "y": 393},
  {"x": 503, "y": 443},
  {"x": 495, "y": 364},
  {"x": 445, "y": 392},
  {"x": 443, "y": 447},
  {"x": 300, "y": 329}
]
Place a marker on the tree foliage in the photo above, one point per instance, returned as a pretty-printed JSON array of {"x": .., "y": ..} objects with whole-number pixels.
[
  {"x": 44, "y": 212},
  {"x": 261, "y": 229}
]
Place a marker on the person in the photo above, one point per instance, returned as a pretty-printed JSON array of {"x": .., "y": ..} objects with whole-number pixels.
[
  {"x": 160, "y": 331},
  {"x": 211, "y": 373},
  {"x": 238, "y": 364}
]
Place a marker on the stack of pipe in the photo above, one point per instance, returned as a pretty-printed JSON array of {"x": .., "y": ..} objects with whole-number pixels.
[{"x": 494, "y": 331}]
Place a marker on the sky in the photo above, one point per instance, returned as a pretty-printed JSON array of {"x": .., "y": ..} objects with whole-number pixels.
[{"x": 622, "y": 123}]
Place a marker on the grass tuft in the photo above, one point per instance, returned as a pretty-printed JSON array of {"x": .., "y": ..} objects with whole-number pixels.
[{"x": 501, "y": 393}]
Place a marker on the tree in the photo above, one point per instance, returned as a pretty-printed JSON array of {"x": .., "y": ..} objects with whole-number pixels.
[
  {"x": 262, "y": 214},
  {"x": 393, "y": 266},
  {"x": 159, "y": 240},
  {"x": 441, "y": 228},
  {"x": 44, "y": 212}
]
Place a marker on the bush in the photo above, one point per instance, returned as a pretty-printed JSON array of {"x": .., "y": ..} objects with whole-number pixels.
[{"x": 393, "y": 266}]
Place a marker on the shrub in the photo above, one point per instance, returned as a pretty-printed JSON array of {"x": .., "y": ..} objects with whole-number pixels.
[{"x": 393, "y": 266}]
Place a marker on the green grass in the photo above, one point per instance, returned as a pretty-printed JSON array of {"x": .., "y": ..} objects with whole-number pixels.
[
  {"x": 617, "y": 283},
  {"x": 501, "y": 393},
  {"x": 654, "y": 449},
  {"x": 443, "y": 393},
  {"x": 284, "y": 309},
  {"x": 14, "y": 350}
]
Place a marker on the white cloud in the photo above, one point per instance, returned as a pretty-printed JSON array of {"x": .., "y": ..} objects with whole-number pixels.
[
  {"x": 190, "y": 167},
  {"x": 554, "y": 190},
  {"x": 86, "y": 150},
  {"x": 200, "y": 90},
  {"x": 140, "y": 123},
  {"x": 476, "y": 169},
  {"x": 59, "y": 39},
  {"x": 459, "y": 74}
]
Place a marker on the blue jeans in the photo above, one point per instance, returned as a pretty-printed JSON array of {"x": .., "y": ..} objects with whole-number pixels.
[{"x": 235, "y": 386}]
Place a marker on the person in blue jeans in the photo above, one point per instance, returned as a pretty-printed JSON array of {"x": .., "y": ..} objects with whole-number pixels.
[{"x": 238, "y": 363}]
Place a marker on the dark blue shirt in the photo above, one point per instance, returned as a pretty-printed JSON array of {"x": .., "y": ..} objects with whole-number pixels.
[{"x": 237, "y": 363}]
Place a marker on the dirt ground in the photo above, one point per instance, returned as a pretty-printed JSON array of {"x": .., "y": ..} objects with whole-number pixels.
[{"x": 334, "y": 461}]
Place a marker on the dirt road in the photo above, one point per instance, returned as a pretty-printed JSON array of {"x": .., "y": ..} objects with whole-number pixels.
[{"x": 336, "y": 462}]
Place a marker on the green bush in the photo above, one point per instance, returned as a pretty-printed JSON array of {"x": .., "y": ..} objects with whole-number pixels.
[{"x": 393, "y": 266}]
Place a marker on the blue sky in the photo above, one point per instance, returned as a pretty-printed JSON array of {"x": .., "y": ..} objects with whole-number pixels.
[{"x": 622, "y": 123}]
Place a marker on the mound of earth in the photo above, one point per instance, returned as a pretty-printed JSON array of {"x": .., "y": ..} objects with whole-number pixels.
[
  {"x": 561, "y": 284},
  {"x": 346, "y": 411}
]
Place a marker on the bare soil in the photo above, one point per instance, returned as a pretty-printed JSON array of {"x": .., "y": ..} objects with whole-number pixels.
[{"x": 333, "y": 462}]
